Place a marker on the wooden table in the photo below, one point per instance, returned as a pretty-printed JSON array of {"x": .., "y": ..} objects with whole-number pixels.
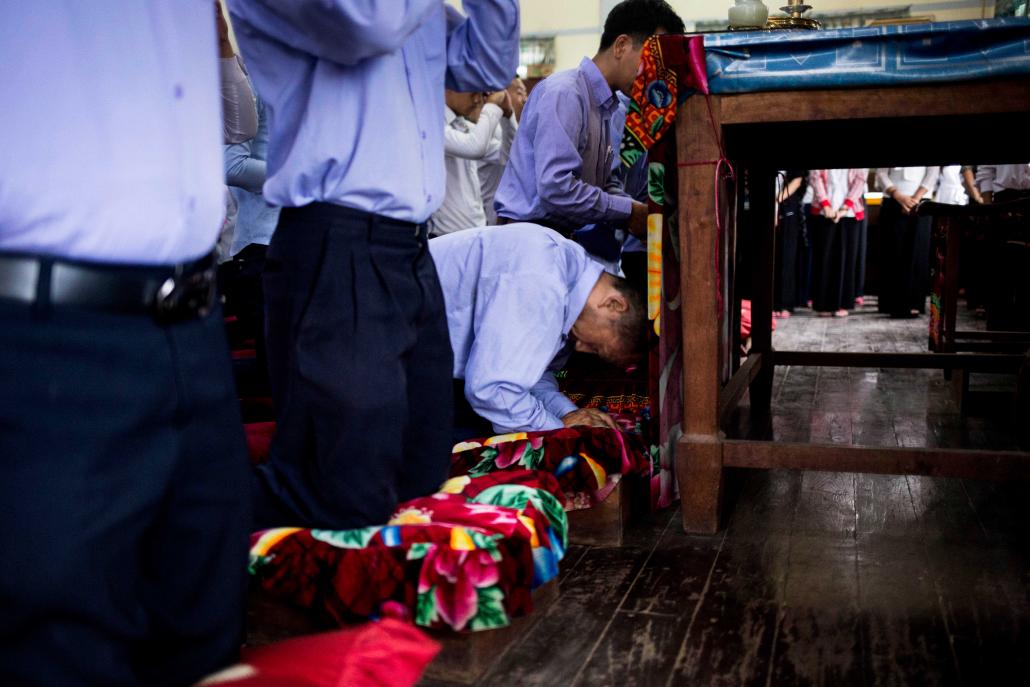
[{"x": 811, "y": 129}]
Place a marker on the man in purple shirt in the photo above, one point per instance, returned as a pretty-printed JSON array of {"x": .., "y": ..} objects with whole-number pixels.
[
  {"x": 519, "y": 299},
  {"x": 560, "y": 171}
]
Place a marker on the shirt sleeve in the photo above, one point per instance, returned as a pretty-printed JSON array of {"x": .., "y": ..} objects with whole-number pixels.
[
  {"x": 517, "y": 323},
  {"x": 546, "y": 391},
  {"x": 243, "y": 170},
  {"x": 559, "y": 164},
  {"x": 883, "y": 178},
  {"x": 929, "y": 181},
  {"x": 482, "y": 47},
  {"x": 239, "y": 110},
  {"x": 473, "y": 144},
  {"x": 985, "y": 175},
  {"x": 499, "y": 150},
  {"x": 820, "y": 194},
  {"x": 341, "y": 31}
]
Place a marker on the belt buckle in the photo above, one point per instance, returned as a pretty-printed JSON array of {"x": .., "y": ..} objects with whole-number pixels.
[{"x": 183, "y": 297}]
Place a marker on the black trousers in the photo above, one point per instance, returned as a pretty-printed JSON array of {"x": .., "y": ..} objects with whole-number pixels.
[
  {"x": 827, "y": 263},
  {"x": 788, "y": 251},
  {"x": 905, "y": 263},
  {"x": 850, "y": 236},
  {"x": 123, "y": 506},
  {"x": 360, "y": 362}
]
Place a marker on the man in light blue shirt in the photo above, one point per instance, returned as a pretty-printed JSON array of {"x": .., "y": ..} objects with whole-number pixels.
[
  {"x": 123, "y": 539},
  {"x": 357, "y": 334},
  {"x": 518, "y": 298},
  {"x": 560, "y": 170}
]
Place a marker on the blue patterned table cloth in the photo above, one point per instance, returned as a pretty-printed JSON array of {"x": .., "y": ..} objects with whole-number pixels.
[{"x": 868, "y": 56}]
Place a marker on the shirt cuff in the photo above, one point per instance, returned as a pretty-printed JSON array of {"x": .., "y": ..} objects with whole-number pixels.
[
  {"x": 619, "y": 207},
  {"x": 825, "y": 203}
]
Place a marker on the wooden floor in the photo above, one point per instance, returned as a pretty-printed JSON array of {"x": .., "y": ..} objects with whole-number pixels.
[{"x": 818, "y": 578}]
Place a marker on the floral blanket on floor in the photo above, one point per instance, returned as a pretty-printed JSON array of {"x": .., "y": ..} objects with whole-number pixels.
[
  {"x": 587, "y": 461},
  {"x": 465, "y": 558}
]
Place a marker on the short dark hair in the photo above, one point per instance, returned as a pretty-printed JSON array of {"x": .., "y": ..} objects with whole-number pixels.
[
  {"x": 639, "y": 19},
  {"x": 632, "y": 324}
]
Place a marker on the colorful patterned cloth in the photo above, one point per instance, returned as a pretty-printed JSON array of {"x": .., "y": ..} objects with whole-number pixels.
[
  {"x": 587, "y": 461},
  {"x": 672, "y": 67},
  {"x": 465, "y": 558}
]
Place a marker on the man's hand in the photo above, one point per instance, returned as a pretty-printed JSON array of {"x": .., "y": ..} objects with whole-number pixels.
[
  {"x": 592, "y": 417},
  {"x": 637, "y": 224}
]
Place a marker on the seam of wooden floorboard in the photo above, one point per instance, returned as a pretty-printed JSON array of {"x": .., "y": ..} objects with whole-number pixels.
[
  {"x": 618, "y": 607},
  {"x": 680, "y": 655}
]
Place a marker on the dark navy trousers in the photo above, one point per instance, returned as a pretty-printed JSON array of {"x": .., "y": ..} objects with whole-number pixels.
[
  {"x": 123, "y": 503},
  {"x": 360, "y": 363}
]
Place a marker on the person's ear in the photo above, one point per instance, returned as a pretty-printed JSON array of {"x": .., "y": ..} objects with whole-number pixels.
[
  {"x": 615, "y": 302},
  {"x": 621, "y": 46}
]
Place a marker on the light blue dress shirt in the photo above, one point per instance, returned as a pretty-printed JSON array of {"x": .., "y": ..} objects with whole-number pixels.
[
  {"x": 245, "y": 171},
  {"x": 561, "y": 161},
  {"x": 110, "y": 130},
  {"x": 512, "y": 295},
  {"x": 355, "y": 93}
]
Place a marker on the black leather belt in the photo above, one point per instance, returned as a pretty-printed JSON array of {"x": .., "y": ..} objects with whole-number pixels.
[{"x": 168, "y": 293}]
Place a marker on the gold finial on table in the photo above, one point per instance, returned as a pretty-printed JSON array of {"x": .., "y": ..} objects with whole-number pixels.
[{"x": 794, "y": 10}]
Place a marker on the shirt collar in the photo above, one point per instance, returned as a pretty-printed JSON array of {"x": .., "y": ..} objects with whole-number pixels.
[
  {"x": 600, "y": 92},
  {"x": 449, "y": 115},
  {"x": 579, "y": 291}
]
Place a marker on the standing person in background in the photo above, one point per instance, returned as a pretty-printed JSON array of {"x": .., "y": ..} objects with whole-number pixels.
[
  {"x": 358, "y": 348},
  {"x": 124, "y": 536},
  {"x": 905, "y": 239},
  {"x": 950, "y": 186},
  {"x": 491, "y": 168},
  {"x": 789, "y": 236},
  {"x": 1008, "y": 293},
  {"x": 560, "y": 171},
  {"x": 239, "y": 279},
  {"x": 837, "y": 208},
  {"x": 470, "y": 122},
  {"x": 1003, "y": 183}
]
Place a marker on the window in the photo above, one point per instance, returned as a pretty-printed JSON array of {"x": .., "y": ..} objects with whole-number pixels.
[{"x": 536, "y": 57}]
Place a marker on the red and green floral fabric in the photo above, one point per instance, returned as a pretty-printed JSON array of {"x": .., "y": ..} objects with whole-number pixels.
[
  {"x": 587, "y": 461},
  {"x": 465, "y": 558}
]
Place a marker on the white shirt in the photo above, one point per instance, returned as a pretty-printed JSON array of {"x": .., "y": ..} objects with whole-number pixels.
[
  {"x": 907, "y": 180},
  {"x": 465, "y": 144},
  {"x": 491, "y": 168},
  {"x": 996, "y": 178},
  {"x": 951, "y": 190}
]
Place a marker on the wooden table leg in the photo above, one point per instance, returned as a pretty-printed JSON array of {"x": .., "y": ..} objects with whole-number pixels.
[
  {"x": 699, "y": 471},
  {"x": 699, "y": 452}
]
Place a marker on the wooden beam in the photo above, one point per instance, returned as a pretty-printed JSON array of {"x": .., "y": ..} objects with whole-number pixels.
[
  {"x": 734, "y": 390},
  {"x": 929, "y": 100},
  {"x": 993, "y": 336},
  {"x": 935, "y": 462},
  {"x": 976, "y": 362}
]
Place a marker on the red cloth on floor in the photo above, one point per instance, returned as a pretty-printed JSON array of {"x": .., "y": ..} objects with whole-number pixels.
[{"x": 388, "y": 653}]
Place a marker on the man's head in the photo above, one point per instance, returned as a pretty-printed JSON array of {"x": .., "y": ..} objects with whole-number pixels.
[
  {"x": 462, "y": 104},
  {"x": 613, "y": 323},
  {"x": 628, "y": 25}
]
